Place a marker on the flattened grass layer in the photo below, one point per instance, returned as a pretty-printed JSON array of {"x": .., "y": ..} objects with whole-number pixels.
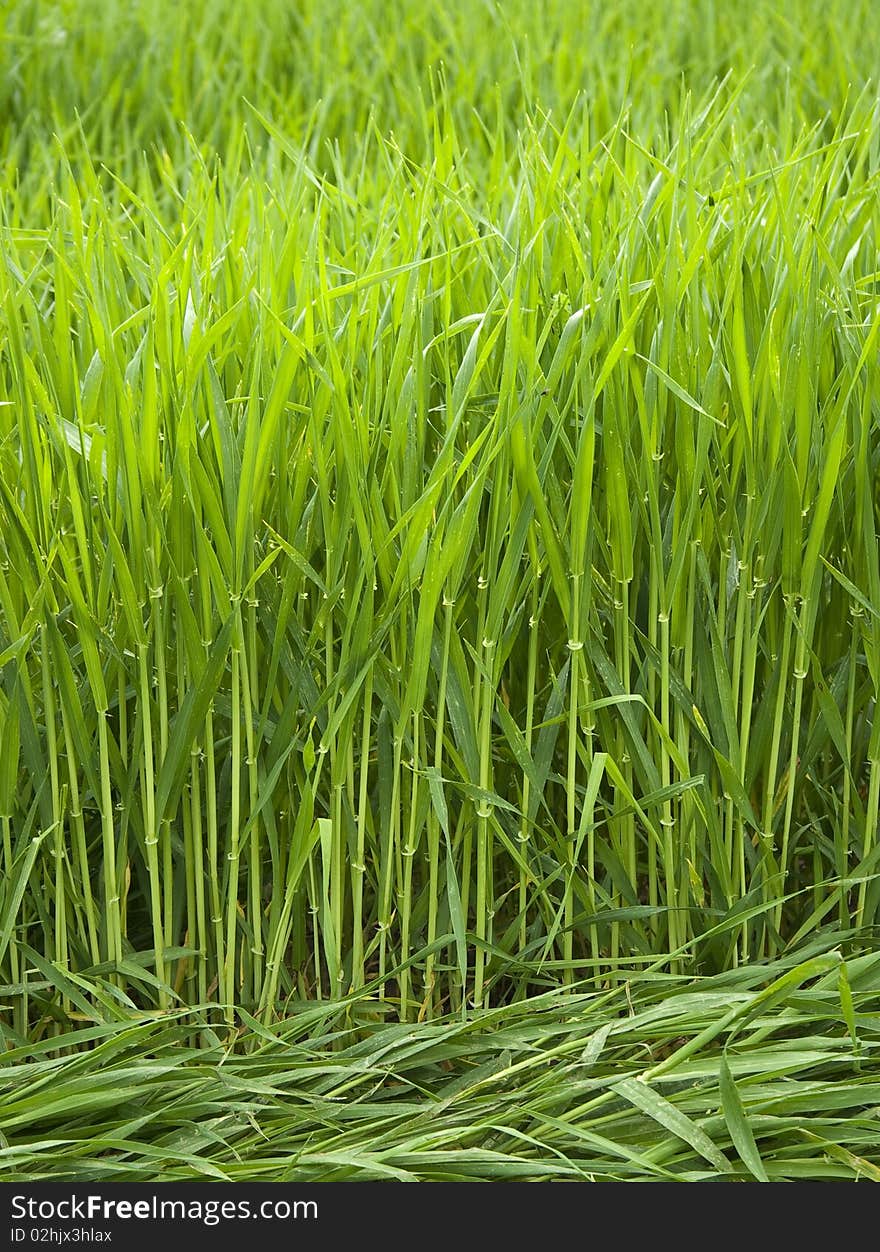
[
  {"x": 439, "y": 545},
  {"x": 745, "y": 1075}
]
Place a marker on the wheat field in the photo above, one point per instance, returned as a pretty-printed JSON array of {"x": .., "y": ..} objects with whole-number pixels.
[{"x": 439, "y": 587}]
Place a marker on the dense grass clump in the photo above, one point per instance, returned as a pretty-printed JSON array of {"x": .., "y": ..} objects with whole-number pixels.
[{"x": 438, "y": 476}]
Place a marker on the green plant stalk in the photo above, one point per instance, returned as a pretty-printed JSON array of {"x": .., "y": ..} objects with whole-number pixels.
[
  {"x": 229, "y": 985},
  {"x": 112, "y": 929},
  {"x": 750, "y": 660},
  {"x": 199, "y": 938},
  {"x": 667, "y": 822},
  {"x": 773, "y": 761},
  {"x": 336, "y": 878},
  {"x": 20, "y": 1002},
  {"x": 358, "y": 867},
  {"x": 525, "y": 830},
  {"x": 652, "y": 868},
  {"x": 871, "y": 820},
  {"x": 433, "y": 819},
  {"x": 800, "y": 673},
  {"x": 575, "y": 647},
  {"x": 81, "y": 856},
  {"x": 409, "y": 853},
  {"x": 485, "y": 895},
  {"x": 393, "y": 839},
  {"x": 56, "y": 892},
  {"x": 151, "y": 833},
  {"x": 255, "y": 903},
  {"x": 842, "y": 843}
]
